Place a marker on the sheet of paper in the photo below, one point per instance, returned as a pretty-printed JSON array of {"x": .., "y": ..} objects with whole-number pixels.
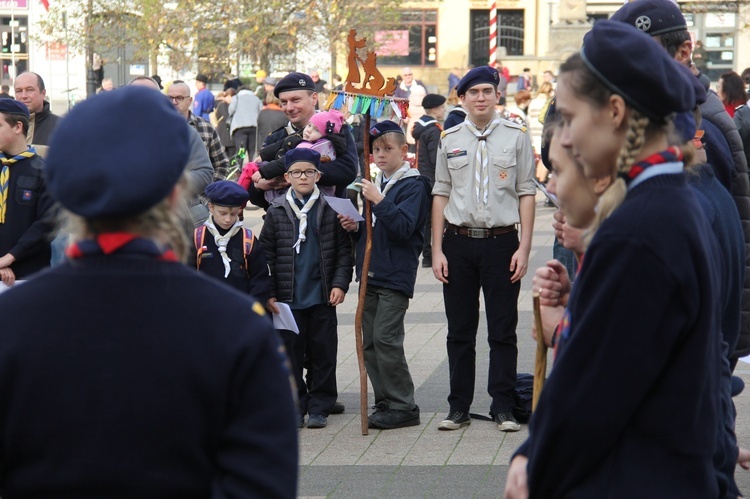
[
  {"x": 285, "y": 319},
  {"x": 745, "y": 359},
  {"x": 344, "y": 207},
  {"x": 547, "y": 193},
  {"x": 4, "y": 287}
]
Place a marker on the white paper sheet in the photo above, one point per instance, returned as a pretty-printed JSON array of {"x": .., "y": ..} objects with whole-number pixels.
[
  {"x": 343, "y": 207},
  {"x": 285, "y": 319}
]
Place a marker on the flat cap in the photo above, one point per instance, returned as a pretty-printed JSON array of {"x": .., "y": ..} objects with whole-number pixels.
[
  {"x": 477, "y": 76},
  {"x": 653, "y": 17},
  {"x": 117, "y": 153},
  {"x": 294, "y": 81},
  {"x": 226, "y": 193},
  {"x": 300, "y": 155}
]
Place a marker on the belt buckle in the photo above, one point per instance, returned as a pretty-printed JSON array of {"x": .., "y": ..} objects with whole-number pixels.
[{"x": 478, "y": 233}]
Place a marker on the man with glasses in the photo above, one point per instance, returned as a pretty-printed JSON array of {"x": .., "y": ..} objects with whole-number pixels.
[
  {"x": 483, "y": 189},
  {"x": 179, "y": 95}
]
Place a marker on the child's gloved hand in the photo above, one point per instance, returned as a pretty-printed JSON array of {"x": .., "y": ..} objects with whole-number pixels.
[
  {"x": 246, "y": 177},
  {"x": 339, "y": 143}
]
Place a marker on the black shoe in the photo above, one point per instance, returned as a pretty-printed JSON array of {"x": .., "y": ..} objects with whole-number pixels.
[
  {"x": 378, "y": 408},
  {"x": 455, "y": 421},
  {"x": 317, "y": 421},
  {"x": 506, "y": 421},
  {"x": 426, "y": 263},
  {"x": 338, "y": 408},
  {"x": 393, "y": 418}
]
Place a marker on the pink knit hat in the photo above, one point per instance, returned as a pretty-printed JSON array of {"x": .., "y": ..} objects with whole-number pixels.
[{"x": 328, "y": 122}]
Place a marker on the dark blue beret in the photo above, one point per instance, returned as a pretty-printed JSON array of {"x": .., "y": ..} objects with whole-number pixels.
[
  {"x": 477, "y": 76},
  {"x": 294, "y": 81},
  {"x": 10, "y": 106},
  {"x": 631, "y": 65},
  {"x": 386, "y": 126},
  {"x": 301, "y": 154},
  {"x": 226, "y": 193},
  {"x": 684, "y": 125},
  {"x": 698, "y": 88},
  {"x": 117, "y": 153},
  {"x": 654, "y": 17},
  {"x": 431, "y": 101}
]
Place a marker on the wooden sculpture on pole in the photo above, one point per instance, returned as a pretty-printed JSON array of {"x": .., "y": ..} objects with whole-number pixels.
[
  {"x": 540, "y": 362},
  {"x": 371, "y": 96}
]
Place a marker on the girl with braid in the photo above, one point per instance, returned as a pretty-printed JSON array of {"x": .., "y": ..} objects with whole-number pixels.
[{"x": 639, "y": 346}]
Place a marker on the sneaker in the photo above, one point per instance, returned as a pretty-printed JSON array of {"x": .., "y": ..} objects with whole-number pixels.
[
  {"x": 455, "y": 421},
  {"x": 338, "y": 408},
  {"x": 317, "y": 421},
  {"x": 393, "y": 418},
  {"x": 377, "y": 408},
  {"x": 506, "y": 422}
]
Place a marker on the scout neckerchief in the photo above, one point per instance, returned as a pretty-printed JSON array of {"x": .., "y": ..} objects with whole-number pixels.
[
  {"x": 302, "y": 214},
  {"x": 645, "y": 166},
  {"x": 121, "y": 243},
  {"x": 222, "y": 241},
  {"x": 404, "y": 171},
  {"x": 482, "y": 160},
  {"x": 5, "y": 178}
]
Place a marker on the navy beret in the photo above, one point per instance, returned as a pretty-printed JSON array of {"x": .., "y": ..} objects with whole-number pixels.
[
  {"x": 650, "y": 82},
  {"x": 431, "y": 101},
  {"x": 10, "y": 106},
  {"x": 386, "y": 126},
  {"x": 118, "y": 153},
  {"x": 654, "y": 17},
  {"x": 226, "y": 193},
  {"x": 294, "y": 81},
  {"x": 698, "y": 88},
  {"x": 301, "y": 154},
  {"x": 477, "y": 76},
  {"x": 684, "y": 125}
]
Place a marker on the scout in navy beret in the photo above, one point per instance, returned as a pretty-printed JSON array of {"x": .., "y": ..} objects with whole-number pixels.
[
  {"x": 431, "y": 101},
  {"x": 294, "y": 81},
  {"x": 477, "y": 76},
  {"x": 301, "y": 155},
  {"x": 91, "y": 169},
  {"x": 654, "y": 17},
  {"x": 10, "y": 106},
  {"x": 652, "y": 83},
  {"x": 226, "y": 193}
]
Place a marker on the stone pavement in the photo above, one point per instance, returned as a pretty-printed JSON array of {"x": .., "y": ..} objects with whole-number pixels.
[{"x": 420, "y": 461}]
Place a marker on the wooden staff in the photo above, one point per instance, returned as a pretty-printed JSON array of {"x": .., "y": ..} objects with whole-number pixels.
[
  {"x": 540, "y": 363},
  {"x": 363, "y": 284}
]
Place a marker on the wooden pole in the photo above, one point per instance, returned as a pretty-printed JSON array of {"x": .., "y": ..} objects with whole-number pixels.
[
  {"x": 363, "y": 284},
  {"x": 540, "y": 363}
]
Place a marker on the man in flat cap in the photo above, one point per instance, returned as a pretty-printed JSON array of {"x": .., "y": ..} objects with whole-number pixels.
[
  {"x": 484, "y": 187},
  {"x": 203, "y": 103},
  {"x": 26, "y": 214},
  {"x": 664, "y": 21},
  {"x": 296, "y": 91}
]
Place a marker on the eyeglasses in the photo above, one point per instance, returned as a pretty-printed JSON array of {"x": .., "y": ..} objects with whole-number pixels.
[
  {"x": 298, "y": 173},
  {"x": 177, "y": 98},
  {"x": 487, "y": 93}
]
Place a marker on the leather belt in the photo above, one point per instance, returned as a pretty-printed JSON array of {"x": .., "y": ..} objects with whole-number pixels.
[{"x": 477, "y": 233}]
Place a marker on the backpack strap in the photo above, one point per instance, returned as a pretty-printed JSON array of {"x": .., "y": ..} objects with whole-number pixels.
[
  {"x": 247, "y": 246},
  {"x": 198, "y": 235}
]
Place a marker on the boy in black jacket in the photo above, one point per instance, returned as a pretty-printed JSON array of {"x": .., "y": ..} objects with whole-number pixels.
[
  {"x": 310, "y": 258},
  {"x": 26, "y": 217},
  {"x": 427, "y": 132},
  {"x": 225, "y": 249}
]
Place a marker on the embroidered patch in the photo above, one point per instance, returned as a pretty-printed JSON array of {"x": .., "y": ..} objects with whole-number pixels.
[
  {"x": 503, "y": 175},
  {"x": 207, "y": 255},
  {"x": 456, "y": 153},
  {"x": 26, "y": 195}
]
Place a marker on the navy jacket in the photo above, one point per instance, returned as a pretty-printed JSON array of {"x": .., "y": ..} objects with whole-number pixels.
[
  {"x": 397, "y": 236},
  {"x": 640, "y": 359},
  {"x": 124, "y": 376},
  {"x": 427, "y": 132},
  {"x": 29, "y": 222},
  {"x": 455, "y": 117}
]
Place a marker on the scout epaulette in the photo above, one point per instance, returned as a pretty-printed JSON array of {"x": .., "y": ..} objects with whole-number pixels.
[
  {"x": 511, "y": 124},
  {"x": 450, "y": 130},
  {"x": 200, "y": 233}
]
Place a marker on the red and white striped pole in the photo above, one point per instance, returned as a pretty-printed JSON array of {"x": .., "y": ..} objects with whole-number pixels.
[{"x": 493, "y": 33}]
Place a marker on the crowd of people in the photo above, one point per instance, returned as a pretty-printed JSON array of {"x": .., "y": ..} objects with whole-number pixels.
[{"x": 159, "y": 399}]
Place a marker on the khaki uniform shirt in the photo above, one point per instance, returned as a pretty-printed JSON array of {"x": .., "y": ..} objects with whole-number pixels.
[{"x": 511, "y": 175}]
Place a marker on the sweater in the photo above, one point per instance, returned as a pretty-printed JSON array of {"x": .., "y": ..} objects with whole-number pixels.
[
  {"x": 280, "y": 232},
  {"x": 397, "y": 237},
  {"x": 639, "y": 361},
  {"x": 141, "y": 378},
  {"x": 30, "y": 221}
]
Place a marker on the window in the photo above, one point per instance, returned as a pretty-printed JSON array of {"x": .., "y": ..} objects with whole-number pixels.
[
  {"x": 413, "y": 42},
  {"x": 510, "y": 34},
  {"x": 14, "y": 34}
]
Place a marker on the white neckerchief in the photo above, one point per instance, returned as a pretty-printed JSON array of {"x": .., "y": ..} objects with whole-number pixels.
[
  {"x": 302, "y": 214},
  {"x": 482, "y": 160},
  {"x": 397, "y": 175},
  {"x": 222, "y": 241}
]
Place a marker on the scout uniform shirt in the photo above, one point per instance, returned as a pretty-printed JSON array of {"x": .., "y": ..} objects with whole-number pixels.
[{"x": 511, "y": 175}]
